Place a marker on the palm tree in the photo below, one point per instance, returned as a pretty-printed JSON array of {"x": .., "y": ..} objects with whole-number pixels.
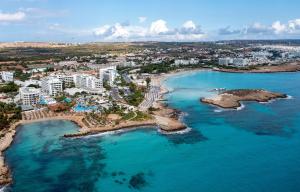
[{"x": 148, "y": 80}]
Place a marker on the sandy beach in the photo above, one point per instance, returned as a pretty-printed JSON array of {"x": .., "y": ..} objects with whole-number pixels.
[{"x": 157, "y": 80}]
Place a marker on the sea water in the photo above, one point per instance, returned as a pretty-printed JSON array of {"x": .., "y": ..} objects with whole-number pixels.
[{"x": 256, "y": 148}]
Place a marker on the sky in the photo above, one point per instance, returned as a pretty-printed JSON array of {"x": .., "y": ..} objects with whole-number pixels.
[{"x": 147, "y": 20}]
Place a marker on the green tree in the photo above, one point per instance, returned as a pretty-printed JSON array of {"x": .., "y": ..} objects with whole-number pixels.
[
  {"x": 148, "y": 81},
  {"x": 9, "y": 87}
]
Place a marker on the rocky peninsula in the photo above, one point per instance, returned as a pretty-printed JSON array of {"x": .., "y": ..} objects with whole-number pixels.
[
  {"x": 286, "y": 67},
  {"x": 231, "y": 99}
]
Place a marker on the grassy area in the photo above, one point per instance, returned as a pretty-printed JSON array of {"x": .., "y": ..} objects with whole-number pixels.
[
  {"x": 136, "y": 116},
  {"x": 142, "y": 116}
]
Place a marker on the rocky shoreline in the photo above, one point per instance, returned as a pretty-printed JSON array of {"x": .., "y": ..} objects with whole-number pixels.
[
  {"x": 288, "y": 67},
  {"x": 231, "y": 99}
]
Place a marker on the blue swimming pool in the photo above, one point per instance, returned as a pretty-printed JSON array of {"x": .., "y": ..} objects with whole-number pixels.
[
  {"x": 83, "y": 108},
  {"x": 68, "y": 100}
]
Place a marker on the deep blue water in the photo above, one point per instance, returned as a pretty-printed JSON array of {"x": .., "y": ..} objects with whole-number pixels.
[{"x": 253, "y": 149}]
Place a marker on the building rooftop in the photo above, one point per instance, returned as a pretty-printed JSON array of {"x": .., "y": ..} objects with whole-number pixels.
[{"x": 29, "y": 90}]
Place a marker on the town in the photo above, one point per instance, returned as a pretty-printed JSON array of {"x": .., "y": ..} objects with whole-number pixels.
[{"x": 118, "y": 84}]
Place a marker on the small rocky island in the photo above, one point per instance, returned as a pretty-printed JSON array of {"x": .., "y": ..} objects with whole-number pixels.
[{"x": 231, "y": 99}]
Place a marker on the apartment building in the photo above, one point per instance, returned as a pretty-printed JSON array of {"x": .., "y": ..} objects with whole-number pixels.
[
  {"x": 29, "y": 95},
  {"x": 88, "y": 82},
  {"x": 7, "y": 76},
  {"x": 52, "y": 86},
  {"x": 109, "y": 74}
]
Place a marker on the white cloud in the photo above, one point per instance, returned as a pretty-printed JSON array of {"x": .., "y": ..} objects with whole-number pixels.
[
  {"x": 119, "y": 31},
  {"x": 294, "y": 24},
  {"x": 142, "y": 19},
  {"x": 101, "y": 30},
  {"x": 157, "y": 31},
  {"x": 11, "y": 17},
  {"x": 278, "y": 27},
  {"x": 109, "y": 32},
  {"x": 158, "y": 27},
  {"x": 189, "y": 25}
]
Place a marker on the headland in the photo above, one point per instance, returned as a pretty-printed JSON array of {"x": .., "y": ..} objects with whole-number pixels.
[{"x": 231, "y": 99}]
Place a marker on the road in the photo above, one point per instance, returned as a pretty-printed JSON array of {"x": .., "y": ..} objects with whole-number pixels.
[
  {"x": 150, "y": 97},
  {"x": 115, "y": 94},
  {"x": 126, "y": 78}
]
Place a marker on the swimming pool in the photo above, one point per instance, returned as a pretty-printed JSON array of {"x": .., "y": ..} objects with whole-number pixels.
[{"x": 82, "y": 108}]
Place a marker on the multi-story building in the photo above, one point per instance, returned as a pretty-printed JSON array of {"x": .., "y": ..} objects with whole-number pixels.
[
  {"x": 7, "y": 76},
  {"x": 94, "y": 83},
  {"x": 109, "y": 74},
  {"x": 191, "y": 61},
  {"x": 52, "y": 86},
  {"x": 81, "y": 80},
  {"x": 29, "y": 95},
  {"x": 88, "y": 82},
  {"x": 240, "y": 62},
  {"x": 67, "y": 79},
  {"x": 225, "y": 61}
]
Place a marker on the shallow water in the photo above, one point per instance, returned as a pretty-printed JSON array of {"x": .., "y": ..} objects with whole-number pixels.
[{"x": 253, "y": 149}]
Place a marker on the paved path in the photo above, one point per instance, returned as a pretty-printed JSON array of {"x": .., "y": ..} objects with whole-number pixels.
[{"x": 150, "y": 97}]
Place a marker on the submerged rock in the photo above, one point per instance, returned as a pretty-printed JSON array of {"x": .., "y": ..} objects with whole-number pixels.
[{"x": 137, "y": 181}]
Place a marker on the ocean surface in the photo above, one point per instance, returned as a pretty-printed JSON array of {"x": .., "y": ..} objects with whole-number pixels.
[{"x": 256, "y": 148}]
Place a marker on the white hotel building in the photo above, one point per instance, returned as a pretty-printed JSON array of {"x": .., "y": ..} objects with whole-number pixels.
[
  {"x": 67, "y": 79},
  {"x": 52, "y": 86},
  {"x": 7, "y": 76},
  {"x": 225, "y": 61},
  {"x": 29, "y": 95},
  {"x": 108, "y": 73},
  {"x": 88, "y": 82},
  {"x": 238, "y": 62}
]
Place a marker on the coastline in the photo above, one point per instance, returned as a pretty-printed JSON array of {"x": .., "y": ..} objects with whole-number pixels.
[
  {"x": 173, "y": 124},
  {"x": 164, "y": 122},
  {"x": 158, "y": 80},
  {"x": 283, "y": 68}
]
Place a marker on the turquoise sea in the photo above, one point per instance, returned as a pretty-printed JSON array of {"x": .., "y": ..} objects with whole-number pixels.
[{"x": 256, "y": 148}]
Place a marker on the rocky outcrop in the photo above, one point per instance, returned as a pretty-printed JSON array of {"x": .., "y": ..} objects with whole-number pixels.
[{"x": 231, "y": 99}]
